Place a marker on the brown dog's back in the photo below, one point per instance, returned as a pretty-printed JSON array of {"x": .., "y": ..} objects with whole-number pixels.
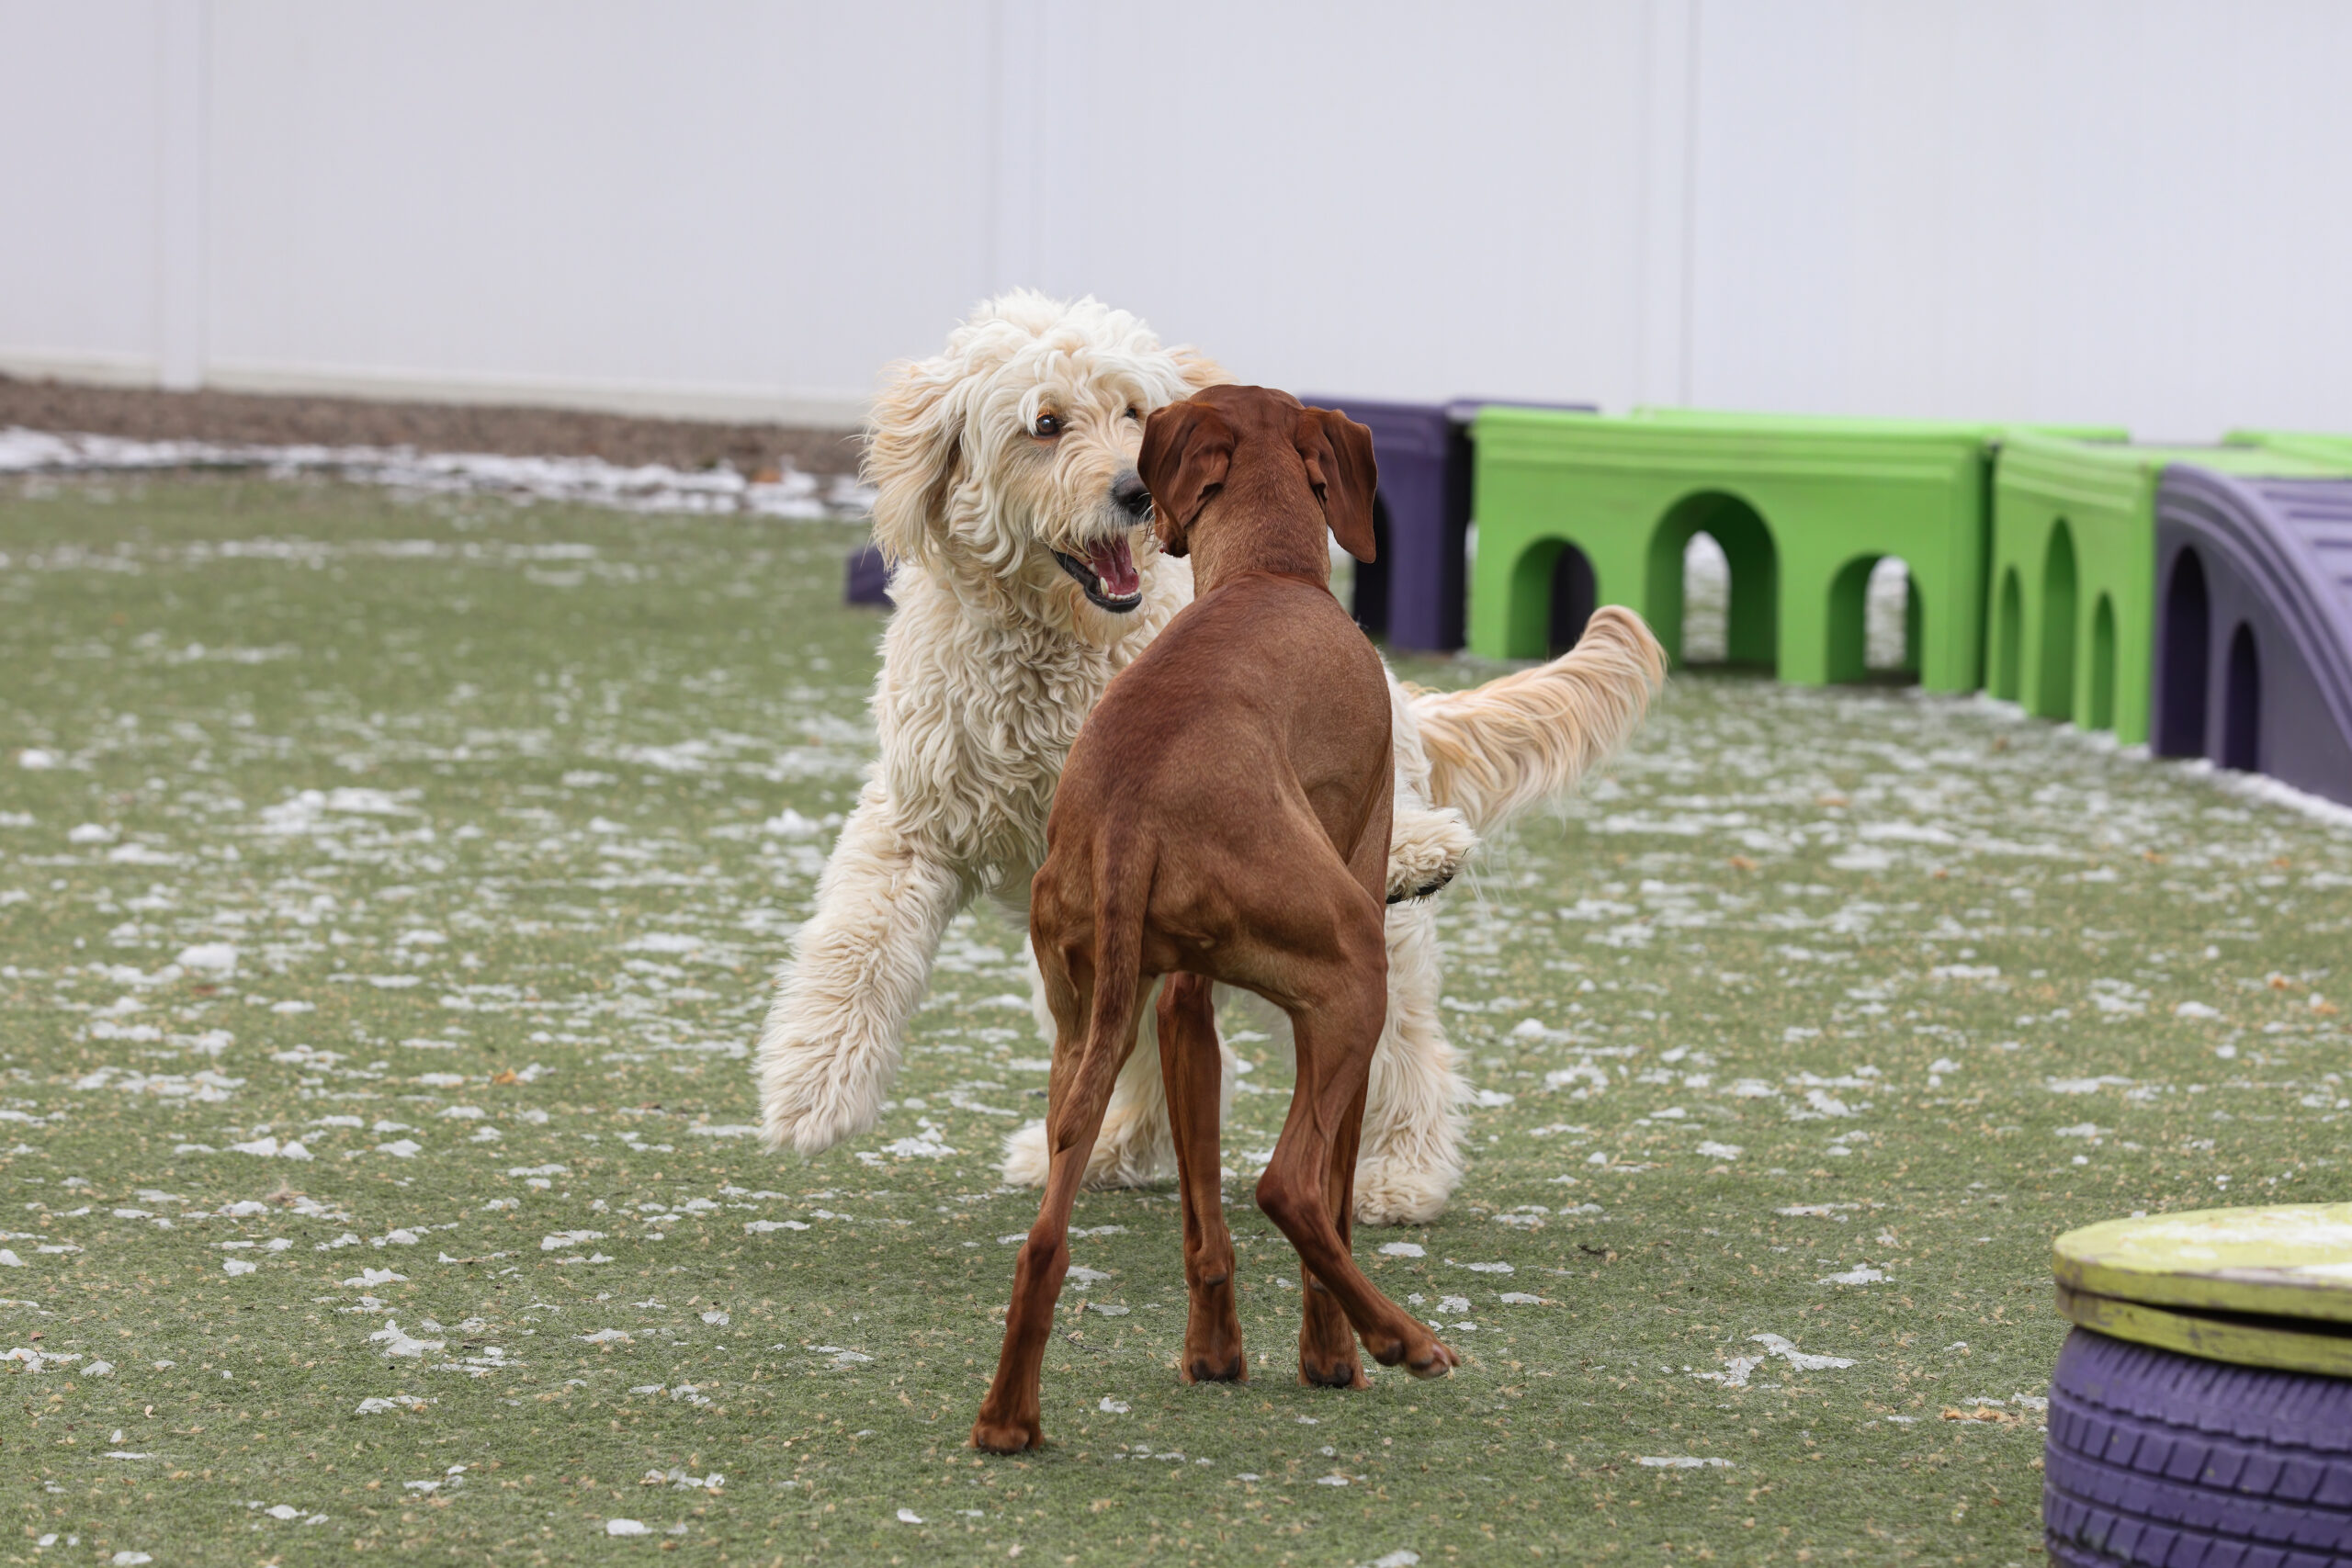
[{"x": 1259, "y": 717}]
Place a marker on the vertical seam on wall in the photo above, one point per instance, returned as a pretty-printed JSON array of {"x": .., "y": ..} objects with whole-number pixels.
[
  {"x": 1690, "y": 199},
  {"x": 992, "y": 220},
  {"x": 183, "y": 195}
]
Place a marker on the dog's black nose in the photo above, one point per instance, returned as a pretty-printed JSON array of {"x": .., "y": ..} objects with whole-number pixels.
[{"x": 1133, "y": 496}]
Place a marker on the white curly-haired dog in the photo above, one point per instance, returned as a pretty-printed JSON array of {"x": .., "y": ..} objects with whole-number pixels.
[{"x": 1009, "y": 507}]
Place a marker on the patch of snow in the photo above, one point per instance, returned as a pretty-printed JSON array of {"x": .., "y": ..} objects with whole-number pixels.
[
  {"x": 208, "y": 958},
  {"x": 1802, "y": 1360},
  {"x": 396, "y": 1402},
  {"x": 396, "y": 1341}
]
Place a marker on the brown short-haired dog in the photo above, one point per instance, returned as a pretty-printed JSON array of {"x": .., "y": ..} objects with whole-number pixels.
[{"x": 1225, "y": 817}]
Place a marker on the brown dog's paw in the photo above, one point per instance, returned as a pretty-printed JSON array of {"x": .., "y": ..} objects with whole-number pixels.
[
  {"x": 1208, "y": 1367},
  {"x": 1006, "y": 1437},
  {"x": 1345, "y": 1371},
  {"x": 1435, "y": 1363}
]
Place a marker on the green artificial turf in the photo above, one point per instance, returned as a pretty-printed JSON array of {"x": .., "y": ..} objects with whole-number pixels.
[{"x": 455, "y": 843}]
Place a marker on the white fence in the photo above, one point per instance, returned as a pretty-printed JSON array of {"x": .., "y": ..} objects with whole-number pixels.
[{"x": 2113, "y": 210}]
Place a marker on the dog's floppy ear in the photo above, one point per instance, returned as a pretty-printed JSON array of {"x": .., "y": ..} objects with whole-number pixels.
[
  {"x": 1187, "y": 450},
  {"x": 913, "y": 445},
  {"x": 1341, "y": 467}
]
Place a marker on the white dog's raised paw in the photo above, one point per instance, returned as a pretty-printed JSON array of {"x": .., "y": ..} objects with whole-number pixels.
[{"x": 1426, "y": 847}]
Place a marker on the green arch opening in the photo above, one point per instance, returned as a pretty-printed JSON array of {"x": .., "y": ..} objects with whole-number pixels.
[
  {"x": 2054, "y": 688},
  {"x": 1752, "y": 633},
  {"x": 2008, "y": 639},
  {"x": 1848, "y": 623},
  {"x": 1553, "y": 588},
  {"x": 2102, "y": 695}
]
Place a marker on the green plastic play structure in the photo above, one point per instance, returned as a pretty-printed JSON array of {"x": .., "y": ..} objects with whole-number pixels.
[
  {"x": 2336, "y": 450},
  {"x": 2073, "y": 569},
  {"x": 1802, "y": 507},
  {"x": 2031, "y": 550}
]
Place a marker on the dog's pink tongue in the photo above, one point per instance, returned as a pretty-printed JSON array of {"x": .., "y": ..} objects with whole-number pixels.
[{"x": 1115, "y": 565}]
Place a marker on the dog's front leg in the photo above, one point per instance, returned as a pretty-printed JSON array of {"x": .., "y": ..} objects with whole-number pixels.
[{"x": 830, "y": 1046}]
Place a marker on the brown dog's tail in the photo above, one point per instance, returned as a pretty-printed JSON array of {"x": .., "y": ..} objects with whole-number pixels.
[
  {"x": 1119, "y": 912},
  {"x": 1496, "y": 750}
]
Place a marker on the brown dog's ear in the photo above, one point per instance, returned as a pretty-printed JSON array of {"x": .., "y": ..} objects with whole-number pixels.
[
  {"x": 1341, "y": 467},
  {"x": 1187, "y": 450}
]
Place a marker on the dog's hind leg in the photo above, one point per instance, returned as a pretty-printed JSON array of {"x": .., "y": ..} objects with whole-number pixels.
[
  {"x": 830, "y": 1045},
  {"x": 1411, "y": 1157},
  {"x": 1097, "y": 1006},
  {"x": 1335, "y": 1022},
  {"x": 1326, "y": 1341},
  {"x": 1189, "y": 1061},
  {"x": 1136, "y": 1147}
]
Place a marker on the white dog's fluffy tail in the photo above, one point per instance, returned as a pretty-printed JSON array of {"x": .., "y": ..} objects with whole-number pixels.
[{"x": 1496, "y": 750}]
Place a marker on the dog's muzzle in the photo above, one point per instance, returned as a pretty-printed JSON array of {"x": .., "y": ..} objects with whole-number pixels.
[{"x": 1108, "y": 574}]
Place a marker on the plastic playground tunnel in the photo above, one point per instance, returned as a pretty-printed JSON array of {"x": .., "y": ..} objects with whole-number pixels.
[{"x": 2197, "y": 599}]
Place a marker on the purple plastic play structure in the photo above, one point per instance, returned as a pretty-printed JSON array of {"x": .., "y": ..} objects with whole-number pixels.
[
  {"x": 2253, "y": 626},
  {"x": 868, "y": 577},
  {"x": 1414, "y": 593}
]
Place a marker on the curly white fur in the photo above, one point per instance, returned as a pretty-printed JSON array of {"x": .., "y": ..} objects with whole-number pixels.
[{"x": 991, "y": 663}]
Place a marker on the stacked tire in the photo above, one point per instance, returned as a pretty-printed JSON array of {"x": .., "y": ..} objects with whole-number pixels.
[{"x": 2168, "y": 1460}]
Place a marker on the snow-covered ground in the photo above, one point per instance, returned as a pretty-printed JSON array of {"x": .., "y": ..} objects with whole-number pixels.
[{"x": 651, "y": 487}]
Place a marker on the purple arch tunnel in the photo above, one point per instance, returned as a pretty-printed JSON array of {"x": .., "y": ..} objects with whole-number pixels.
[{"x": 2253, "y": 626}]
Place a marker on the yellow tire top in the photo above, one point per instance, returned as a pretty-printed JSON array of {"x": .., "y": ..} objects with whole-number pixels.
[{"x": 2291, "y": 1260}]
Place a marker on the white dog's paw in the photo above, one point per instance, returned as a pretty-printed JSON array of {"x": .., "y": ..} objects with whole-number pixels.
[
  {"x": 812, "y": 1097},
  {"x": 1392, "y": 1191},
  {"x": 1129, "y": 1151},
  {"x": 1426, "y": 847}
]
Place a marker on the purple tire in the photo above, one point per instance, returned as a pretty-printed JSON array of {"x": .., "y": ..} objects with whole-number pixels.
[{"x": 2175, "y": 1461}]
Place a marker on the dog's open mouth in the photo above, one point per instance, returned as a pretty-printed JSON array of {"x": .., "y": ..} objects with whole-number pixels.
[{"x": 1108, "y": 574}]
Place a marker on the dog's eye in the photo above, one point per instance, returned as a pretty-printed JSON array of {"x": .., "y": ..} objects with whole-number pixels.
[
  {"x": 1135, "y": 413},
  {"x": 1047, "y": 426}
]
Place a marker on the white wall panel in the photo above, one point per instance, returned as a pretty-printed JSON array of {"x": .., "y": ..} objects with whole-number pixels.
[
  {"x": 2101, "y": 209},
  {"x": 2121, "y": 211},
  {"x": 1420, "y": 203},
  {"x": 707, "y": 202},
  {"x": 80, "y": 145}
]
